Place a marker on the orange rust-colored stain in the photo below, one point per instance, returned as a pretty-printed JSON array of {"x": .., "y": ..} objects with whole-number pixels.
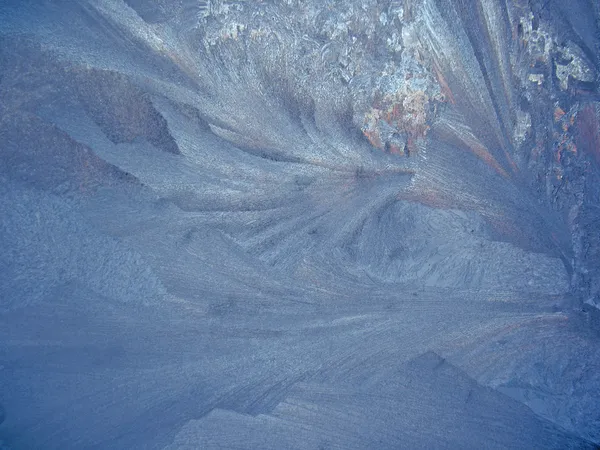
[
  {"x": 444, "y": 85},
  {"x": 558, "y": 113},
  {"x": 374, "y": 138},
  {"x": 396, "y": 150},
  {"x": 487, "y": 157},
  {"x": 428, "y": 197},
  {"x": 588, "y": 132},
  {"x": 559, "y": 153}
]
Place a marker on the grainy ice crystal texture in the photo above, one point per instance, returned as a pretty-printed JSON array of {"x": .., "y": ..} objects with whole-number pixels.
[{"x": 285, "y": 224}]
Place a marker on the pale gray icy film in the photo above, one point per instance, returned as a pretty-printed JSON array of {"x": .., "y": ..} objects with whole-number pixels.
[{"x": 285, "y": 224}]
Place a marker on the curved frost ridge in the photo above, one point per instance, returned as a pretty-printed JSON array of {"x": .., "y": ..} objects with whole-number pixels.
[{"x": 255, "y": 224}]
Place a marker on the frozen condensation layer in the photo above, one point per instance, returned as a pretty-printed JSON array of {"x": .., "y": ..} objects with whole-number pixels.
[{"x": 267, "y": 224}]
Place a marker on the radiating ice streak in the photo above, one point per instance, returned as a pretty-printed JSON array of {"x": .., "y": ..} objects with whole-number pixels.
[{"x": 299, "y": 286}]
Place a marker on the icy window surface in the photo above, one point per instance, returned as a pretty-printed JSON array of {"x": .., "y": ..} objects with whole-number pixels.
[{"x": 271, "y": 224}]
